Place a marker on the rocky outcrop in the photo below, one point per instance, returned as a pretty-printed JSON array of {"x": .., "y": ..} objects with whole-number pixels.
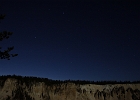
[{"x": 14, "y": 89}]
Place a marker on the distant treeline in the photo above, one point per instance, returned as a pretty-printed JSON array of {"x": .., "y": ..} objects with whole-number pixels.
[{"x": 28, "y": 80}]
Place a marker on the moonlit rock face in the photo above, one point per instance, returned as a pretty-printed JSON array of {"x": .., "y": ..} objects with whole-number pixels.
[{"x": 13, "y": 89}]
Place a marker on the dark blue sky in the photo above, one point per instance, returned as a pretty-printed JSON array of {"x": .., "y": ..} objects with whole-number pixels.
[{"x": 82, "y": 40}]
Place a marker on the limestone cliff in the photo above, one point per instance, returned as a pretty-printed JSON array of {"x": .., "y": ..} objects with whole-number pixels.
[{"x": 18, "y": 89}]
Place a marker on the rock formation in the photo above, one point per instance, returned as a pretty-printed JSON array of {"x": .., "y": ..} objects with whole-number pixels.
[{"x": 25, "y": 89}]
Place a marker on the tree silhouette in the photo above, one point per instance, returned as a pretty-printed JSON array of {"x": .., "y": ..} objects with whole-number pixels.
[{"x": 5, "y": 35}]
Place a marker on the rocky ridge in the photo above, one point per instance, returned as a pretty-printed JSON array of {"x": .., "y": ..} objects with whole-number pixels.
[{"x": 23, "y": 89}]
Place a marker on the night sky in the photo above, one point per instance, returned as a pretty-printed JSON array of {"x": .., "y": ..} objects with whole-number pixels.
[{"x": 77, "y": 40}]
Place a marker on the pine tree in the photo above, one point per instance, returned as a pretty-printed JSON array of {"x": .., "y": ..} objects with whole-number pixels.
[{"x": 5, "y": 35}]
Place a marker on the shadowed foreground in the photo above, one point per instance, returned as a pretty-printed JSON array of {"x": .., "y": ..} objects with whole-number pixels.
[{"x": 33, "y": 88}]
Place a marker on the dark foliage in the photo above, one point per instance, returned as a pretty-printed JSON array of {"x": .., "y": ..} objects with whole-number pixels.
[
  {"x": 135, "y": 95},
  {"x": 5, "y": 35},
  {"x": 8, "y": 98},
  {"x": 20, "y": 95},
  {"x": 31, "y": 80}
]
